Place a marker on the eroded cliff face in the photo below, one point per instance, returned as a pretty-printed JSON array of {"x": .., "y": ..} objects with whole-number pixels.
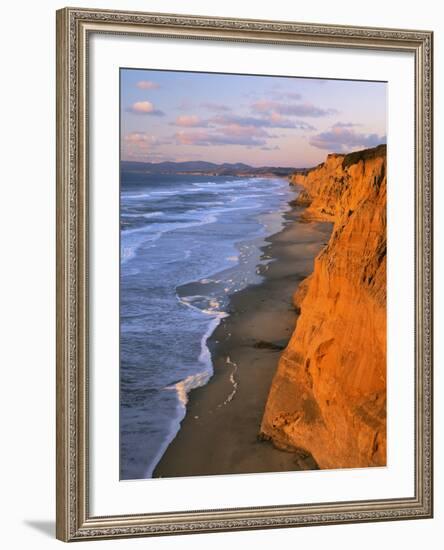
[{"x": 329, "y": 392}]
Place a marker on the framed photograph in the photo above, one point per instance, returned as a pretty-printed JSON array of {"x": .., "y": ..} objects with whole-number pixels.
[{"x": 244, "y": 274}]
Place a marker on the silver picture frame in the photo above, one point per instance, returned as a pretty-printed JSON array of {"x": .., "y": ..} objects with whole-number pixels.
[{"x": 74, "y": 27}]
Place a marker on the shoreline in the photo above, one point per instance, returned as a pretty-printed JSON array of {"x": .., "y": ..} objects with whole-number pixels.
[{"x": 220, "y": 431}]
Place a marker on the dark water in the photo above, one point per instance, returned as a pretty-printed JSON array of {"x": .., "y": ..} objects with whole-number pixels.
[{"x": 187, "y": 244}]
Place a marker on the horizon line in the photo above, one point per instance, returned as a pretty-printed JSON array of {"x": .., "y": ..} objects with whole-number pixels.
[{"x": 253, "y": 165}]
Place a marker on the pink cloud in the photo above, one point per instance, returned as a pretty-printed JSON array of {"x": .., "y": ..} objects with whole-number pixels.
[
  {"x": 144, "y": 108},
  {"x": 269, "y": 120},
  {"x": 189, "y": 121},
  {"x": 264, "y": 105},
  {"x": 345, "y": 125},
  {"x": 139, "y": 140},
  {"x": 227, "y": 136},
  {"x": 275, "y": 117},
  {"x": 147, "y": 85},
  {"x": 341, "y": 139},
  {"x": 137, "y": 145},
  {"x": 291, "y": 109},
  {"x": 192, "y": 138},
  {"x": 137, "y": 137}
]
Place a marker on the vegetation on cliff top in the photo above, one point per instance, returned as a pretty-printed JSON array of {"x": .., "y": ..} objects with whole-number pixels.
[{"x": 365, "y": 154}]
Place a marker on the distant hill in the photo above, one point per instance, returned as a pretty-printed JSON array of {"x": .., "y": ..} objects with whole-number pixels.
[{"x": 205, "y": 168}]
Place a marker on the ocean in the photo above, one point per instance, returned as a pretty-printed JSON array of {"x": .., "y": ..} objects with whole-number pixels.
[{"x": 187, "y": 244}]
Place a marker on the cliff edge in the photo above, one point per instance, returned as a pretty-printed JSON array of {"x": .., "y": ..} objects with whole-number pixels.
[{"x": 328, "y": 395}]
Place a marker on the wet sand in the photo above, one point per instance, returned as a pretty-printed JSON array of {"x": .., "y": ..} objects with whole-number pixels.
[{"x": 219, "y": 434}]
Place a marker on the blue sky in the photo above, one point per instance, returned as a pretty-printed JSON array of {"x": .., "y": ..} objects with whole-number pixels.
[{"x": 259, "y": 120}]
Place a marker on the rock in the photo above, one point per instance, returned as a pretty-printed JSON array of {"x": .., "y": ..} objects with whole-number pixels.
[
  {"x": 303, "y": 199},
  {"x": 328, "y": 395},
  {"x": 262, "y": 344}
]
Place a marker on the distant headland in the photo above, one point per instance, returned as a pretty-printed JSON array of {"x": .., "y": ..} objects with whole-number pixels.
[{"x": 209, "y": 168}]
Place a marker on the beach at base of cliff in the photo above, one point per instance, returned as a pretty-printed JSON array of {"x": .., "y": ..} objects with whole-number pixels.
[{"x": 220, "y": 432}]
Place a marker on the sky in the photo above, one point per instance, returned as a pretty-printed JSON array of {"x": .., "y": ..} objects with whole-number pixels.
[{"x": 259, "y": 120}]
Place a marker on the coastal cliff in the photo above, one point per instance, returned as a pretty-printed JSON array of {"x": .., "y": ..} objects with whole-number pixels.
[{"x": 328, "y": 396}]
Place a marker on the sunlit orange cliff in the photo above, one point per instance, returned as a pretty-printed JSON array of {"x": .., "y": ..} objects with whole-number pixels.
[{"x": 328, "y": 396}]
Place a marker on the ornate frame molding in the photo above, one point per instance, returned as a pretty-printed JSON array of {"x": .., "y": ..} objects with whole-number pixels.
[{"x": 73, "y": 28}]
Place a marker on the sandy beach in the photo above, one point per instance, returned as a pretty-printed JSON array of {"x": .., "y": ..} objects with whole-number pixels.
[{"x": 219, "y": 434}]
